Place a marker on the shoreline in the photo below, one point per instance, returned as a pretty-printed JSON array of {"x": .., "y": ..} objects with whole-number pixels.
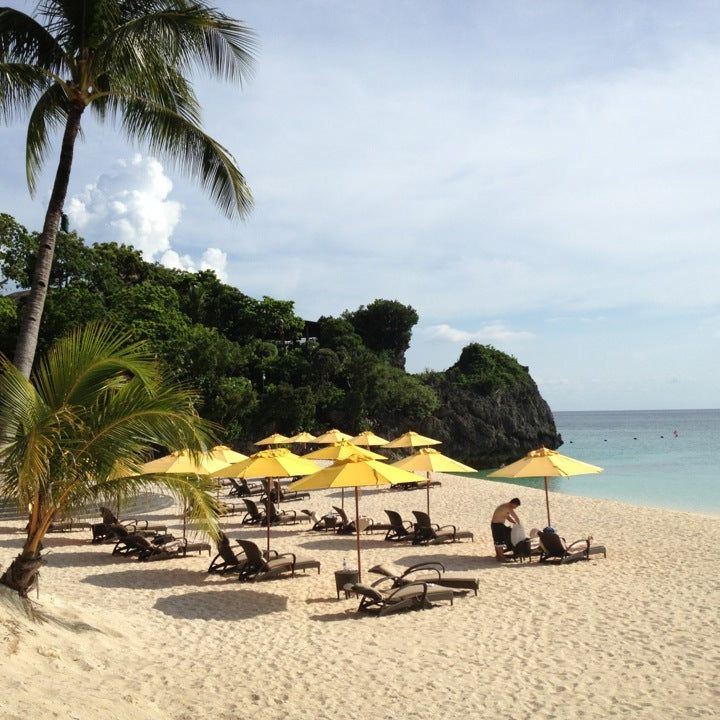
[{"x": 634, "y": 635}]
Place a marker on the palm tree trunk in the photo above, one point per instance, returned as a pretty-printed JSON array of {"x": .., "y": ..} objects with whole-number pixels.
[
  {"x": 32, "y": 314},
  {"x": 22, "y": 574}
]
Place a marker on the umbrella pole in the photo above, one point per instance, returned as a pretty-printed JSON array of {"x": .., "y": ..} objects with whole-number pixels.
[
  {"x": 357, "y": 527},
  {"x": 547, "y": 502},
  {"x": 428, "y": 492},
  {"x": 268, "y": 500},
  {"x": 342, "y": 499}
]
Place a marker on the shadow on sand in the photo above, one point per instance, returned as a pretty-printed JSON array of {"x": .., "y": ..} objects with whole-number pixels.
[
  {"x": 231, "y": 604},
  {"x": 148, "y": 578},
  {"x": 343, "y": 542}
]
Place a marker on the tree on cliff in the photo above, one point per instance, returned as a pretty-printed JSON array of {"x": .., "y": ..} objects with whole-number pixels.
[
  {"x": 96, "y": 406},
  {"x": 385, "y": 326},
  {"x": 128, "y": 60}
]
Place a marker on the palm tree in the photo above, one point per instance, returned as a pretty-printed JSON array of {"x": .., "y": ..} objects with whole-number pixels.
[
  {"x": 127, "y": 60},
  {"x": 79, "y": 431}
]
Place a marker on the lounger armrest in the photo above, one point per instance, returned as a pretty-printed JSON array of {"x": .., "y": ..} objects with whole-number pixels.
[
  {"x": 288, "y": 555},
  {"x": 404, "y": 588},
  {"x": 408, "y": 524},
  {"x": 430, "y": 565},
  {"x": 288, "y": 513},
  {"x": 383, "y": 579},
  {"x": 582, "y": 542},
  {"x": 446, "y": 527},
  {"x": 130, "y": 523}
]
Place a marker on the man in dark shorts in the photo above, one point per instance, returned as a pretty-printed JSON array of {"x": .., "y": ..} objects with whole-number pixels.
[{"x": 500, "y": 531}]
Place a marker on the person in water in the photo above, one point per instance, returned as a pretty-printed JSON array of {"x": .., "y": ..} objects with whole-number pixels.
[{"x": 500, "y": 531}]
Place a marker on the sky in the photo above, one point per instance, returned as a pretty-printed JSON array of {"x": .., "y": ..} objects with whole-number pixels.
[{"x": 541, "y": 176}]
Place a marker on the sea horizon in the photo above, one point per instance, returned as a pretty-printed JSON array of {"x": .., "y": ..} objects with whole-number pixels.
[{"x": 650, "y": 458}]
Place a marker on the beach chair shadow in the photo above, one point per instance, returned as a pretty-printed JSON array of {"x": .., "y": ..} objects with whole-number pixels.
[
  {"x": 148, "y": 579},
  {"x": 227, "y": 605}
]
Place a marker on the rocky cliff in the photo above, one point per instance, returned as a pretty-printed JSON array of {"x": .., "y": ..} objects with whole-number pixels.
[{"x": 491, "y": 411}]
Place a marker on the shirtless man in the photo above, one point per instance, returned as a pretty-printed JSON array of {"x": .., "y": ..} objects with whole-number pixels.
[{"x": 500, "y": 531}]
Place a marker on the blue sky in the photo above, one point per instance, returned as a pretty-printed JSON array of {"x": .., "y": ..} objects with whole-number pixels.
[{"x": 540, "y": 176}]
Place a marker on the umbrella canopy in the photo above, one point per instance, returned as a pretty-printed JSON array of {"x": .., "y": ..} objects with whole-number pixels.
[
  {"x": 302, "y": 437},
  {"x": 429, "y": 460},
  {"x": 275, "y": 463},
  {"x": 226, "y": 454},
  {"x": 181, "y": 462},
  {"x": 354, "y": 472},
  {"x": 341, "y": 451},
  {"x": 545, "y": 463},
  {"x": 368, "y": 438},
  {"x": 331, "y": 436},
  {"x": 274, "y": 439},
  {"x": 412, "y": 439}
]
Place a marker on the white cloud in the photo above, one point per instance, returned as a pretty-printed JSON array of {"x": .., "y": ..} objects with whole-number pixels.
[
  {"x": 494, "y": 332},
  {"x": 131, "y": 205},
  {"x": 128, "y": 205}
]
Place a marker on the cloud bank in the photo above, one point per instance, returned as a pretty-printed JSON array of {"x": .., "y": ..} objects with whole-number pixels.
[{"x": 131, "y": 205}]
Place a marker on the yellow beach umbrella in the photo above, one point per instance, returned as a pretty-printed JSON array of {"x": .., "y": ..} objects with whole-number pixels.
[
  {"x": 302, "y": 437},
  {"x": 274, "y": 439},
  {"x": 411, "y": 439},
  {"x": 331, "y": 436},
  {"x": 275, "y": 463},
  {"x": 341, "y": 451},
  {"x": 430, "y": 460},
  {"x": 368, "y": 438},
  {"x": 354, "y": 472},
  {"x": 181, "y": 462},
  {"x": 545, "y": 463},
  {"x": 226, "y": 454}
]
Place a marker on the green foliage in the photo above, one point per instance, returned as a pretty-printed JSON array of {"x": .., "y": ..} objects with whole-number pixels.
[
  {"x": 385, "y": 326},
  {"x": 486, "y": 369},
  {"x": 79, "y": 430},
  {"x": 245, "y": 356}
]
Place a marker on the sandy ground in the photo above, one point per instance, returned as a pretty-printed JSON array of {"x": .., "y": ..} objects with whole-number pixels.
[{"x": 634, "y": 635}]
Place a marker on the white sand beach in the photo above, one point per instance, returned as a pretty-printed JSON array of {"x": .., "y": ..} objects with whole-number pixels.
[{"x": 635, "y": 635}]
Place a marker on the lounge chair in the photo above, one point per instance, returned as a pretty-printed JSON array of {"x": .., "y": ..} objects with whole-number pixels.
[
  {"x": 257, "y": 566},
  {"x": 413, "y": 596},
  {"x": 253, "y": 516},
  {"x": 400, "y": 530},
  {"x": 226, "y": 560},
  {"x": 419, "y": 485},
  {"x": 347, "y": 526},
  {"x": 278, "y": 495},
  {"x": 106, "y": 530},
  {"x": 330, "y": 521},
  {"x": 171, "y": 549},
  {"x": 553, "y": 547},
  {"x": 69, "y": 525},
  {"x": 283, "y": 517},
  {"x": 429, "y": 532},
  {"x": 239, "y": 487},
  {"x": 429, "y": 572}
]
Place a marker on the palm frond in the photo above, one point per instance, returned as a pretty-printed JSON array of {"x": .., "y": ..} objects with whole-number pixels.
[
  {"x": 24, "y": 40},
  {"x": 185, "y": 144},
  {"x": 191, "y": 33},
  {"x": 20, "y": 86},
  {"x": 162, "y": 85},
  {"x": 49, "y": 114},
  {"x": 87, "y": 361}
]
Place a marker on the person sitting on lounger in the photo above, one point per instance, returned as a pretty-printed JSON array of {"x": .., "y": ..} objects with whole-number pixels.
[{"x": 500, "y": 531}]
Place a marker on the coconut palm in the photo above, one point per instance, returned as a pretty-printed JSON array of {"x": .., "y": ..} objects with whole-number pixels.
[
  {"x": 127, "y": 60},
  {"x": 79, "y": 430}
]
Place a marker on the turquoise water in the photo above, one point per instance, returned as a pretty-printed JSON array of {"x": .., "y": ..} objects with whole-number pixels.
[{"x": 644, "y": 462}]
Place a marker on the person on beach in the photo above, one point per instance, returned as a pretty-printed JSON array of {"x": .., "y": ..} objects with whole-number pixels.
[{"x": 500, "y": 531}]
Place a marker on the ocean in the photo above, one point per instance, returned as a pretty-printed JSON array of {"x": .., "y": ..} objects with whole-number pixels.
[{"x": 653, "y": 458}]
